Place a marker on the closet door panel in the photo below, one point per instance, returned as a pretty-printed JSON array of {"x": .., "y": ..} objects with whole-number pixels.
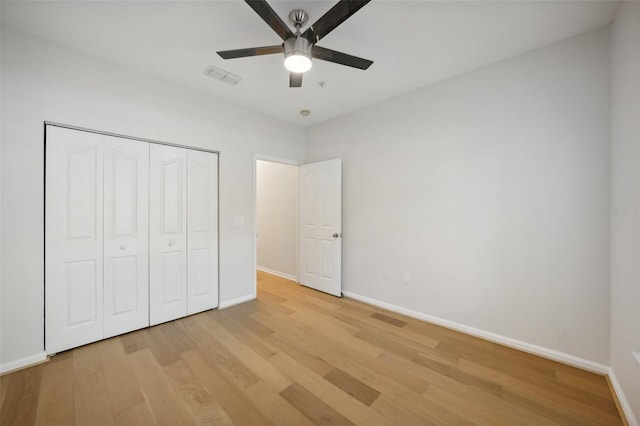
[
  {"x": 73, "y": 238},
  {"x": 126, "y": 235},
  {"x": 202, "y": 239},
  {"x": 168, "y": 233}
]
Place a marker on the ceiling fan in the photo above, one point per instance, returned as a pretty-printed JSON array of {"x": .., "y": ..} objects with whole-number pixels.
[{"x": 300, "y": 48}]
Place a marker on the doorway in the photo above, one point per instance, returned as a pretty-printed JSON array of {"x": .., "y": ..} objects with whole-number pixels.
[
  {"x": 277, "y": 219},
  {"x": 298, "y": 223}
]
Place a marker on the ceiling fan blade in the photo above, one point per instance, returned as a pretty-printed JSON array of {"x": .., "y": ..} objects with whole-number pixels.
[
  {"x": 295, "y": 79},
  {"x": 262, "y": 8},
  {"x": 251, "y": 51},
  {"x": 318, "y": 52},
  {"x": 334, "y": 17}
]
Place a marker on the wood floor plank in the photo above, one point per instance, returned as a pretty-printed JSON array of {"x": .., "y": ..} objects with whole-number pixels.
[
  {"x": 133, "y": 342},
  {"x": 430, "y": 411},
  {"x": 91, "y": 406},
  {"x": 333, "y": 396},
  {"x": 158, "y": 392},
  {"x": 4, "y": 386},
  {"x": 432, "y": 378},
  {"x": 202, "y": 406},
  {"x": 398, "y": 413},
  {"x": 56, "y": 402},
  {"x": 354, "y": 387},
  {"x": 197, "y": 334},
  {"x": 584, "y": 384},
  {"x": 216, "y": 353},
  {"x": 235, "y": 403},
  {"x": 407, "y": 402},
  {"x": 247, "y": 330},
  {"x": 176, "y": 335},
  {"x": 499, "y": 360},
  {"x": 460, "y": 376},
  {"x": 246, "y": 322},
  {"x": 258, "y": 365},
  {"x": 275, "y": 407},
  {"x": 310, "y": 351},
  {"x": 161, "y": 347},
  {"x": 123, "y": 390},
  {"x": 302, "y": 352},
  {"x": 333, "y": 329},
  {"x": 297, "y": 356},
  {"x": 398, "y": 334},
  {"x": 313, "y": 407},
  {"x": 137, "y": 414},
  {"x": 22, "y": 394},
  {"x": 554, "y": 400},
  {"x": 553, "y": 414},
  {"x": 390, "y": 320},
  {"x": 86, "y": 361}
]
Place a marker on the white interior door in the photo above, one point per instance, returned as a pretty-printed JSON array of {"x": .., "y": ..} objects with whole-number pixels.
[
  {"x": 73, "y": 238},
  {"x": 126, "y": 235},
  {"x": 202, "y": 228},
  {"x": 321, "y": 226},
  {"x": 167, "y": 233}
]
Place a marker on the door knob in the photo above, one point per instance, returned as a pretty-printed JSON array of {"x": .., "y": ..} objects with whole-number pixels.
[
  {"x": 336, "y": 235},
  {"x": 122, "y": 247},
  {"x": 171, "y": 243}
]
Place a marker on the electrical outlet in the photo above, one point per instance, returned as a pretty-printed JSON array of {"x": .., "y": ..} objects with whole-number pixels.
[{"x": 406, "y": 278}]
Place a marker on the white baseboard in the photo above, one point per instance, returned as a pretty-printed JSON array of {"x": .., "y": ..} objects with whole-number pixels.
[
  {"x": 496, "y": 338},
  {"x": 279, "y": 274},
  {"x": 622, "y": 399},
  {"x": 23, "y": 362},
  {"x": 236, "y": 301}
]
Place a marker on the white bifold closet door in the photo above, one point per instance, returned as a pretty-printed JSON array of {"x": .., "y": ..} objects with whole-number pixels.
[
  {"x": 126, "y": 235},
  {"x": 183, "y": 232},
  {"x": 202, "y": 231},
  {"x": 168, "y": 233},
  {"x": 96, "y": 237},
  {"x": 73, "y": 239},
  {"x": 131, "y": 235}
]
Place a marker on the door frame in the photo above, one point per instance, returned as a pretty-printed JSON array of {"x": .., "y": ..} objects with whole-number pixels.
[
  {"x": 118, "y": 135},
  {"x": 277, "y": 160}
]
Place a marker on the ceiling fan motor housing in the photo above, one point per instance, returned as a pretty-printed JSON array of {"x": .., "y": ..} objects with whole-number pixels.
[{"x": 297, "y": 46}]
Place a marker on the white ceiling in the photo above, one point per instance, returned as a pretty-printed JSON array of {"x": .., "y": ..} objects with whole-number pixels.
[{"x": 412, "y": 43}]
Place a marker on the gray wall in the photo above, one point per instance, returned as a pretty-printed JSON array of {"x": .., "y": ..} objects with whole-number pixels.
[
  {"x": 490, "y": 191},
  {"x": 625, "y": 201}
]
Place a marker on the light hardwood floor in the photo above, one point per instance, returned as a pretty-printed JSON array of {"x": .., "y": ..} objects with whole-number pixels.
[{"x": 298, "y": 357}]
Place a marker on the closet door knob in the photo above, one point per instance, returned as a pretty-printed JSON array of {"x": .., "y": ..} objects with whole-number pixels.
[
  {"x": 122, "y": 247},
  {"x": 171, "y": 243}
]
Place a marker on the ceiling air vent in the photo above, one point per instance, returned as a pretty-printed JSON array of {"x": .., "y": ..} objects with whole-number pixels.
[{"x": 222, "y": 75}]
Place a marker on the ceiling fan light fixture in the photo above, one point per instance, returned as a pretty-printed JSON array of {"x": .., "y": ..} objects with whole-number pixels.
[
  {"x": 297, "y": 63},
  {"x": 297, "y": 54}
]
